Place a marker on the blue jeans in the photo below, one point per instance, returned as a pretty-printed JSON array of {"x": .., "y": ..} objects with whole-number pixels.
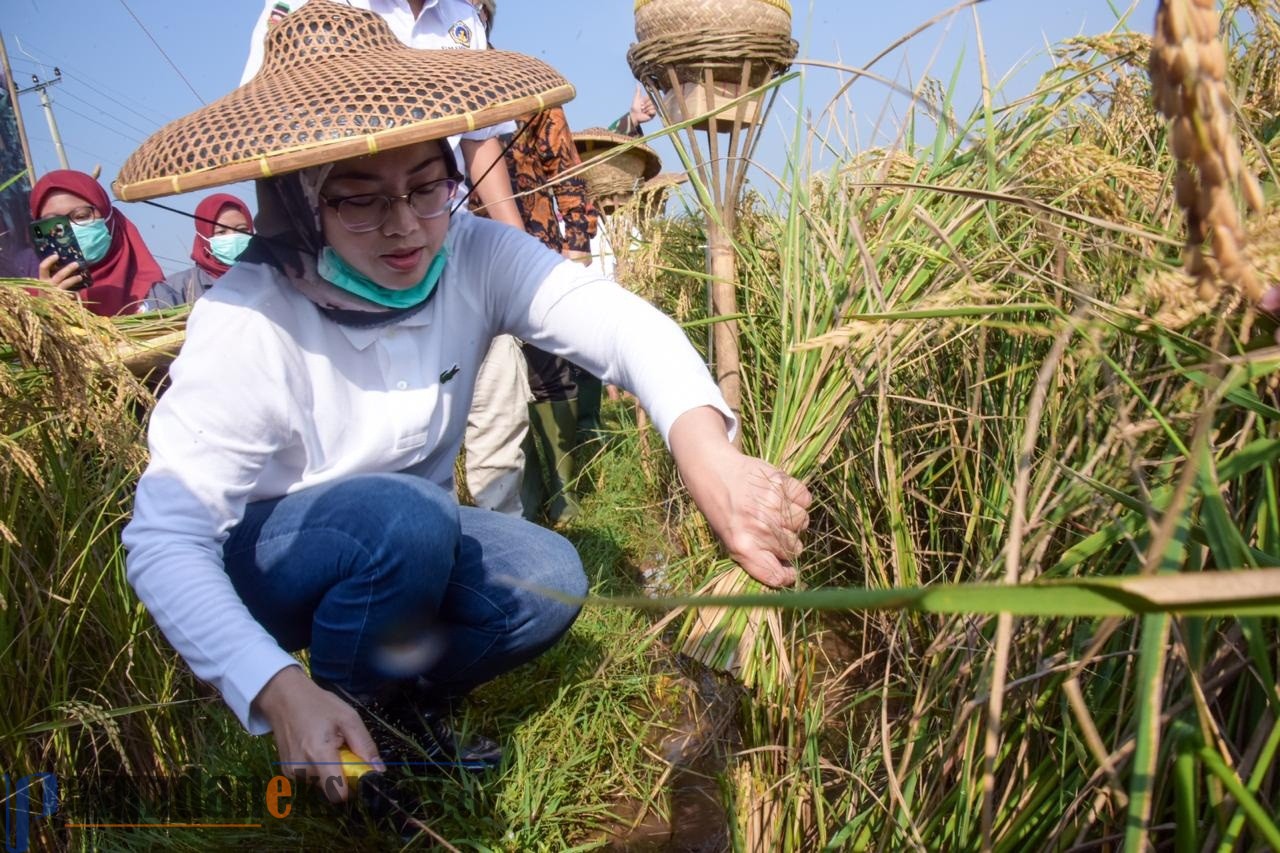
[{"x": 386, "y": 578}]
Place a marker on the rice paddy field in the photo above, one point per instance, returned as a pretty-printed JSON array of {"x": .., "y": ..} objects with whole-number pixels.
[{"x": 1039, "y": 600}]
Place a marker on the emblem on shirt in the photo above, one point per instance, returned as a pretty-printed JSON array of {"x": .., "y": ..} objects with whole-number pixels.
[
  {"x": 461, "y": 33},
  {"x": 278, "y": 13},
  {"x": 448, "y": 374}
]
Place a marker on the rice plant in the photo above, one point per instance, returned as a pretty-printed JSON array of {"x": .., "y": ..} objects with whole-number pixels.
[{"x": 984, "y": 358}]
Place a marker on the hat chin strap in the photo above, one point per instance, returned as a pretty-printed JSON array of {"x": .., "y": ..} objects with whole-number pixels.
[{"x": 471, "y": 187}]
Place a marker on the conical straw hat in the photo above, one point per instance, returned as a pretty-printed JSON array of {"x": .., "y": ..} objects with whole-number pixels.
[
  {"x": 665, "y": 181},
  {"x": 614, "y": 175},
  {"x": 336, "y": 83},
  {"x": 596, "y": 140}
]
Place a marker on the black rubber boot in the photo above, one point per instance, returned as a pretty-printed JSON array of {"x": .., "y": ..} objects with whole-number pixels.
[
  {"x": 554, "y": 424},
  {"x": 533, "y": 488},
  {"x": 590, "y": 392}
]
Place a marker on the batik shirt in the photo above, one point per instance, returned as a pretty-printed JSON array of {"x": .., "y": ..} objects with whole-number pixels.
[{"x": 543, "y": 150}]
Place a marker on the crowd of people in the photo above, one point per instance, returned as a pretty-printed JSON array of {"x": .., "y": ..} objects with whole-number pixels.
[{"x": 343, "y": 346}]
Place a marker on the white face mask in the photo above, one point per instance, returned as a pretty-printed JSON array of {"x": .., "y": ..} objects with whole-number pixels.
[{"x": 227, "y": 247}]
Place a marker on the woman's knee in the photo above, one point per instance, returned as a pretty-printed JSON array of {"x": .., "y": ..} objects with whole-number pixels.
[
  {"x": 559, "y": 571},
  {"x": 399, "y": 519}
]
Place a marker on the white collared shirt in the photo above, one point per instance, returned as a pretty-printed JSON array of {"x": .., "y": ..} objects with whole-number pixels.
[{"x": 270, "y": 397}]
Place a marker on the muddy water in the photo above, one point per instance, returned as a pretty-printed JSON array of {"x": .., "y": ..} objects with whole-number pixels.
[{"x": 697, "y": 742}]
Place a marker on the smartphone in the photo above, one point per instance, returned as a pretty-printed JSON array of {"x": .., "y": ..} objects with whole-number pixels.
[{"x": 53, "y": 235}]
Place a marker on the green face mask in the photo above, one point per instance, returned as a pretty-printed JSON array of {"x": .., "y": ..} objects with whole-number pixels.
[
  {"x": 333, "y": 269},
  {"x": 94, "y": 239}
]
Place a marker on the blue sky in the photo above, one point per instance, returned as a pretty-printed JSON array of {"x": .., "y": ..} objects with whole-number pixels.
[{"x": 118, "y": 87}]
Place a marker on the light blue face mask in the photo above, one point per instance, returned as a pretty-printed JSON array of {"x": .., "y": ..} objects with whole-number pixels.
[
  {"x": 94, "y": 239},
  {"x": 228, "y": 247},
  {"x": 333, "y": 269}
]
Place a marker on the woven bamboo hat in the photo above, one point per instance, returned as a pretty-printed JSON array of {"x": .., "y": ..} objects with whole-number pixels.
[
  {"x": 336, "y": 83},
  {"x": 653, "y": 192},
  {"x": 664, "y": 181},
  {"x": 613, "y": 174}
]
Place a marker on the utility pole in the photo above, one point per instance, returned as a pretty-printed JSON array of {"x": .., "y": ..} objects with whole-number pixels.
[
  {"x": 48, "y": 111},
  {"x": 17, "y": 113}
]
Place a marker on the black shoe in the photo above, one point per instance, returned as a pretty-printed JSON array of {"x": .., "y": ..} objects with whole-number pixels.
[
  {"x": 443, "y": 744},
  {"x": 416, "y": 735}
]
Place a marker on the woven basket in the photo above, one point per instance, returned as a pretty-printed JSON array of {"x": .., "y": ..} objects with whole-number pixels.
[
  {"x": 664, "y": 182},
  {"x": 662, "y": 18},
  {"x": 611, "y": 175},
  {"x": 336, "y": 83},
  {"x": 725, "y": 53}
]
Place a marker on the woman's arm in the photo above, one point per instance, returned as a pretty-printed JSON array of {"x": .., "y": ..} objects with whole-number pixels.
[
  {"x": 488, "y": 172},
  {"x": 210, "y": 437},
  {"x": 309, "y": 724},
  {"x": 757, "y": 511}
]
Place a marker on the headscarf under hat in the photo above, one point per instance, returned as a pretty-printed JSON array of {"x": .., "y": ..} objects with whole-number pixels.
[
  {"x": 125, "y": 274},
  {"x": 289, "y": 238},
  {"x": 207, "y": 213}
]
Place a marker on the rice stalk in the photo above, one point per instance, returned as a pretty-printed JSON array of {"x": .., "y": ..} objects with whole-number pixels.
[{"x": 1188, "y": 74}]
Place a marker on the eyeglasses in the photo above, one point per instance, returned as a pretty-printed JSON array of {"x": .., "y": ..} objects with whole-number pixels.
[
  {"x": 366, "y": 212},
  {"x": 83, "y": 215}
]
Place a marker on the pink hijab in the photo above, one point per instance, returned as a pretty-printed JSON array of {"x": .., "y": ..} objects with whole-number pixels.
[{"x": 125, "y": 274}]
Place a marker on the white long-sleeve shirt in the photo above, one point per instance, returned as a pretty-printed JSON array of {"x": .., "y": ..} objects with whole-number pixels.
[{"x": 270, "y": 397}]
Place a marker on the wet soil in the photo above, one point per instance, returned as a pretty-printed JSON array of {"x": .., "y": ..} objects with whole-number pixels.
[{"x": 696, "y": 734}]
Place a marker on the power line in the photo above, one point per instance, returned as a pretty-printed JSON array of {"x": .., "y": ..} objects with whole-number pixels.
[
  {"x": 172, "y": 64},
  {"x": 93, "y": 120},
  {"x": 71, "y": 72},
  {"x": 83, "y": 82},
  {"x": 179, "y": 261},
  {"x": 87, "y": 103},
  {"x": 99, "y": 160}
]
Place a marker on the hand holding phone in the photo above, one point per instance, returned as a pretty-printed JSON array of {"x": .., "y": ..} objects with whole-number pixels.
[{"x": 63, "y": 262}]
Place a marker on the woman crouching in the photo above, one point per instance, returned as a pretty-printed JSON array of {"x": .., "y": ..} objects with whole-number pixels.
[{"x": 300, "y": 489}]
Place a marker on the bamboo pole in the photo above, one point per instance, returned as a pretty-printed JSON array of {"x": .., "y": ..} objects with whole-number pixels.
[
  {"x": 723, "y": 266},
  {"x": 17, "y": 114},
  {"x": 731, "y": 134}
]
